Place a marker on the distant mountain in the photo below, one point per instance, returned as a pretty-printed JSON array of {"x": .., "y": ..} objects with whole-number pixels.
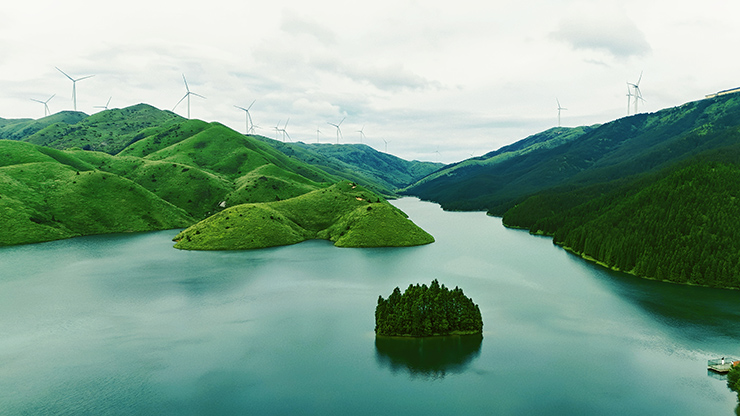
[
  {"x": 473, "y": 184},
  {"x": 360, "y": 163},
  {"x": 587, "y": 155}
]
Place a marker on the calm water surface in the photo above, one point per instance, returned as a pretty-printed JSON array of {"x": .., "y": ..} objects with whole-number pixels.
[{"x": 126, "y": 324}]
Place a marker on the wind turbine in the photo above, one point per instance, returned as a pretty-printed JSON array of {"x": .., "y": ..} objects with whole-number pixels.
[
  {"x": 339, "y": 131},
  {"x": 637, "y": 93},
  {"x": 187, "y": 95},
  {"x": 317, "y": 134},
  {"x": 104, "y": 107},
  {"x": 248, "y": 117},
  {"x": 46, "y": 104},
  {"x": 386, "y": 145},
  {"x": 277, "y": 129},
  {"x": 362, "y": 133},
  {"x": 74, "y": 86},
  {"x": 559, "y": 108},
  {"x": 285, "y": 133}
]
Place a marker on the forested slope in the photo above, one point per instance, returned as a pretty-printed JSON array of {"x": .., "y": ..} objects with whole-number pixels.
[{"x": 679, "y": 225}]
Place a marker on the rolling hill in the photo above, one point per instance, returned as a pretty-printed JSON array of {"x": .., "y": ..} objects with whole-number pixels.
[{"x": 344, "y": 213}]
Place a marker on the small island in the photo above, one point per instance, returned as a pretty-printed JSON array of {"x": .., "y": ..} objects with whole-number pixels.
[{"x": 423, "y": 311}]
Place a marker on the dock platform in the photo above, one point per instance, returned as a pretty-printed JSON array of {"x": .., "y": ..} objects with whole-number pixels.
[{"x": 722, "y": 365}]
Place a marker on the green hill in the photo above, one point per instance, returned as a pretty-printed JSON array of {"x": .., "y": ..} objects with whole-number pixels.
[
  {"x": 344, "y": 213},
  {"x": 107, "y": 131},
  {"x": 18, "y": 129}
]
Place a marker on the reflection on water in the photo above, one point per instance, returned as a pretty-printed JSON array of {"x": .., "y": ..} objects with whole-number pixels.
[{"x": 431, "y": 357}]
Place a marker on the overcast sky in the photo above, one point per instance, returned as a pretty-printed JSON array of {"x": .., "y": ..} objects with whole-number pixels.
[{"x": 437, "y": 80}]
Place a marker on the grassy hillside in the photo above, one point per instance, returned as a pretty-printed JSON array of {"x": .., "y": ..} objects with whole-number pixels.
[
  {"x": 43, "y": 199},
  {"x": 628, "y": 146},
  {"x": 344, "y": 213}
]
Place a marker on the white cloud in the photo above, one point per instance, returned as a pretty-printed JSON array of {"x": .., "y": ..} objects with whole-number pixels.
[
  {"x": 621, "y": 38},
  {"x": 467, "y": 76}
]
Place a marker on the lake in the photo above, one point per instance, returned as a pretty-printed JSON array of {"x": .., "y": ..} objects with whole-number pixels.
[{"x": 125, "y": 324}]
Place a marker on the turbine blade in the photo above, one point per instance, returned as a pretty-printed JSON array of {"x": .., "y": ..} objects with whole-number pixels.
[
  {"x": 51, "y": 98},
  {"x": 178, "y": 103},
  {"x": 186, "y": 83},
  {"x": 241, "y": 108},
  {"x": 38, "y": 101},
  {"x": 286, "y": 123},
  {"x": 639, "y": 79},
  {"x": 340, "y": 123},
  {"x": 198, "y": 95},
  {"x": 80, "y": 79},
  {"x": 250, "y": 105},
  {"x": 70, "y": 78}
]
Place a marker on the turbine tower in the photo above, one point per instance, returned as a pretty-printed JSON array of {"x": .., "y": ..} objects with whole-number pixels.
[
  {"x": 74, "y": 86},
  {"x": 629, "y": 96},
  {"x": 637, "y": 93},
  {"x": 339, "y": 131},
  {"x": 559, "y": 108},
  {"x": 46, "y": 104},
  {"x": 362, "y": 133},
  {"x": 187, "y": 95},
  {"x": 250, "y": 124},
  {"x": 104, "y": 107}
]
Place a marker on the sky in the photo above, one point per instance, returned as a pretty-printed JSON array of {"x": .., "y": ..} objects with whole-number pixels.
[{"x": 426, "y": 80}]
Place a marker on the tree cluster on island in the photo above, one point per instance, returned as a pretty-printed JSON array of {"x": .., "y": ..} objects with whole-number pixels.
[{"x": 423, "y": 311}]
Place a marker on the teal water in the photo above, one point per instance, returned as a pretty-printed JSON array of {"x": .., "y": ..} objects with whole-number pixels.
[{"x": 125, "y": 324}]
